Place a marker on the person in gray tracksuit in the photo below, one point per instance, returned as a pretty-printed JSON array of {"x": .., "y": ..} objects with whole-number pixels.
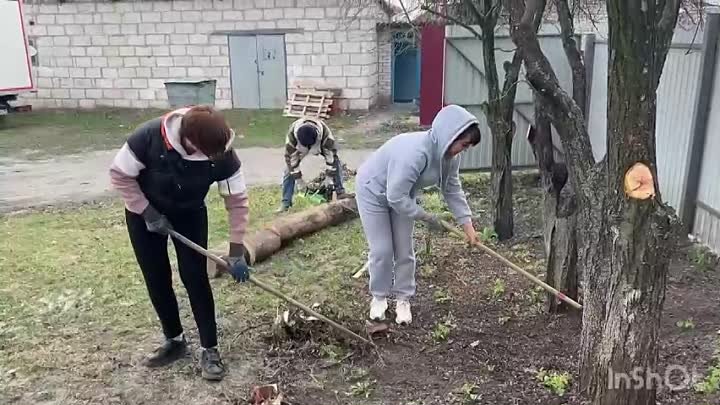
[{"x": 387, "y": 184}]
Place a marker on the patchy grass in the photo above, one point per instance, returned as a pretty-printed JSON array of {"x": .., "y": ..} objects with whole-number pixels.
[
  {"x": 42, "y": 134},
  {"x": 71, "y": 292},
  {"x": 75, "y": 318}
]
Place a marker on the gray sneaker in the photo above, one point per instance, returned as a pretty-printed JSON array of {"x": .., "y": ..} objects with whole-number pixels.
[{"x": 212, "y": 366}]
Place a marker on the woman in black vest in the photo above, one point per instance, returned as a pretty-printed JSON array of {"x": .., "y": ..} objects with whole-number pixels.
[{"x": 164, "y": 172}]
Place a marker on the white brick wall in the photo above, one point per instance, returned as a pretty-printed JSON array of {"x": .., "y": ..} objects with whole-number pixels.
[
  {"x": 98, "y": 53},
  {"x": 384, "y": 66}
]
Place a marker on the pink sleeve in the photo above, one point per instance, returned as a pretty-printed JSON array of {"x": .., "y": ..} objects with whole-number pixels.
[
  {"x": 129, "y": 190},
  {"x": 234, "y": 192},
  {"x": 238, "y": 207},
  {"x": 124, "y": 169}
]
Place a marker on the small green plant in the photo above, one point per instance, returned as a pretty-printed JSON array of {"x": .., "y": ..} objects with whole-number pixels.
[
  {"x": 557, "y": 383},
  {"x": 498, "y": 288},
  {"x": 441, "y": 296},
  {"x": 488, "y": 235},
  {"x": 427, "y": 270},
  {"x": 537, "y": 295},
  {"x": 701, "y": 257},
  {"x": 686, "y": 324},
  {"x": 469, "y": 393},
  {"x": 362, "y": 389},
  {"x": 711, "y": 383},
  {"x": 331, "y": 352},
  {"x": 441, "y": 332}
]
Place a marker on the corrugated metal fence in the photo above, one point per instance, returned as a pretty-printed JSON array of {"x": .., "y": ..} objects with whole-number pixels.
[
  {"x": 465, "y": 85},
  {"x": 687, "y": 135},
  {"x": 676, "y": 103},
  {"x": 687, "y": 131}
]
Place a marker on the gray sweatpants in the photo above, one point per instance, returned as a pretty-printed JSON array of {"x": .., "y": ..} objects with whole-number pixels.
[{"x": 390, "y": 240}]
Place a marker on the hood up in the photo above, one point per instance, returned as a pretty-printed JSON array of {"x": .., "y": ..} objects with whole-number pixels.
[{"x": 448, "y": 124}]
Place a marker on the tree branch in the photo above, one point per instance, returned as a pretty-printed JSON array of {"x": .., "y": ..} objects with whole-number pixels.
[
  {"x": 573, "y": 53},
  {"x": 567, "y": 116},
  {"x": 531, "y": 10},
  {"x": 509, "y": 91},
  {"x": 494, "y": 11},
  {"x": 453, "y": 19},
  {"x": 669, "y": 16},
  {"x": 471, "y": 4},
  {"x": 539, "y": 14}
]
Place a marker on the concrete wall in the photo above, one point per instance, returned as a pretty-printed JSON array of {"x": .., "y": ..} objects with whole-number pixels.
[
  {"x": 120, "y": 53},
  {"x": 385, "y": 66}
]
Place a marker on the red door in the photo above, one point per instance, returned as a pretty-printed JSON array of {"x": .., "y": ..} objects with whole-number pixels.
[{"x": 432, "y": 72}]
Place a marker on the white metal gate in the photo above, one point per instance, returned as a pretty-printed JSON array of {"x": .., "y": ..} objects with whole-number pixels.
[{"x": 258, "y": 72}]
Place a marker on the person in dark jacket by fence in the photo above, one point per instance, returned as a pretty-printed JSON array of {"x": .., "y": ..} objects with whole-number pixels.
[{"x": 163, "y": 173}]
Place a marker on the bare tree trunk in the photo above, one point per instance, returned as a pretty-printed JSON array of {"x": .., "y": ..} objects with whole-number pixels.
[
  {"x": 625, "y": 237},
  {"x": 559, "y": 198},
  {"x": 641, "y": 230},
  {"x": 499, "y": 112},
  {"x": 559, "y": 214}
]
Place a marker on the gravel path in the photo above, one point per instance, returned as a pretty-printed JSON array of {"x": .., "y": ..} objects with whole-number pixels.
[{"x": 78, "y": 178}]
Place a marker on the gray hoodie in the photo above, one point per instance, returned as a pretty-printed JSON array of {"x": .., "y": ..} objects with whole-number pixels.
[{"x": 412, "y": 161}]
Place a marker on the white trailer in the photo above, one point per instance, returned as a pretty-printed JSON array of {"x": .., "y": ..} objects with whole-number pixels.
[{"x": 16, "y": 75}]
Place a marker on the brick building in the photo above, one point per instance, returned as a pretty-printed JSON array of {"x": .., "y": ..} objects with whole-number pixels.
[{"x": 93, "y": 53}]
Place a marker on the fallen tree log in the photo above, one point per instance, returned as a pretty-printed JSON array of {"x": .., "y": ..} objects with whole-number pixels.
[{"x": 269, "y": 240}]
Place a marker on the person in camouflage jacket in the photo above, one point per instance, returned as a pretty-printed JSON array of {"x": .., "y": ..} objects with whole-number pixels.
[{"x": 309, "y": 136}]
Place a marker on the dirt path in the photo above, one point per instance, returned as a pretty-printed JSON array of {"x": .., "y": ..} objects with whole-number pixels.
[{"x": 77, "y": 178}]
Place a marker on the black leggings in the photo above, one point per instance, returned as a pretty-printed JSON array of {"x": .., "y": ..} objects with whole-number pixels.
[{"x": 152, "y": 256}]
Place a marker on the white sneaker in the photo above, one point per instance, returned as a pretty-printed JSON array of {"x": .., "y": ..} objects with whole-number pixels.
[
  {"x": 378, "y": 306},
  {"x": 402, "y": 310}
]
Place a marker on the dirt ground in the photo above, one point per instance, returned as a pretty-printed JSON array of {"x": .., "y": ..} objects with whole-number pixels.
[
  {"x": 499, "y": 337},
  {"x": 479, "y": 336},
  {"x": 70, "y": 179}
]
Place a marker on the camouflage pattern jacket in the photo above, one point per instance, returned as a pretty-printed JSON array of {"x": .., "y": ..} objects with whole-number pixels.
[{"x": 324, "y": 145}]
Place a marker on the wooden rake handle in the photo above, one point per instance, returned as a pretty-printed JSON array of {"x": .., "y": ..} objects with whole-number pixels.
[
  {"x": 223, "y": 264},
  {"x": 515, "y": 267}
]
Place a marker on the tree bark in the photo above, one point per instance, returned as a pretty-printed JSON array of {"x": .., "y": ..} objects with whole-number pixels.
[
  {"x": 573, "y": 54},
  {"x": 559, "y": 209},
  {"x": 624, "y": 242},
  {"x": 642, "y": 231},
  {"x": 499, "y": 111}
]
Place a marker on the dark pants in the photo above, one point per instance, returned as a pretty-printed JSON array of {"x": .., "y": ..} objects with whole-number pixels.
[{"x": 152, "y": 256}]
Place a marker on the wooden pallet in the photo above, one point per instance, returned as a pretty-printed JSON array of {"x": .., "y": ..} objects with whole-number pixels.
[{"x": 309, "y": 102}]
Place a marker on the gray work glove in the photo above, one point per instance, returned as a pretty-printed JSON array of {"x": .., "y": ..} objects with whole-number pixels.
[{"x": 155, "y": 221}]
